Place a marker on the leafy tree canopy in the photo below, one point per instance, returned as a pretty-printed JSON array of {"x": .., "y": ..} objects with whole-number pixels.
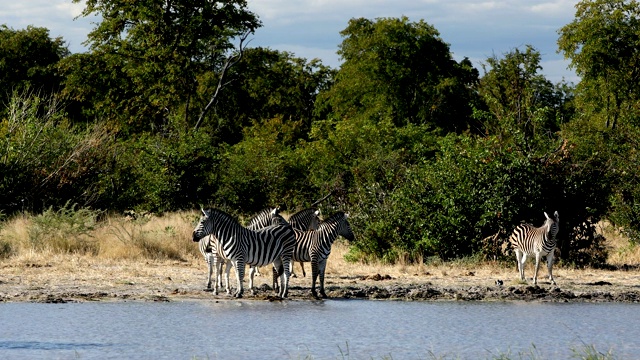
[
  {"x": 403, "y": 70},
  {"x": 603, "y": 44},
  {"x": 27, "y": 60},
  {"x": 152, "y": 53}
]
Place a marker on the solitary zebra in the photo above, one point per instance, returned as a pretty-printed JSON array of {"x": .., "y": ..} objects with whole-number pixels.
[
  {"x": 233, "y": 242},
  {"x": 529, "y": 240},
  {"x": 315, "y": 246}
]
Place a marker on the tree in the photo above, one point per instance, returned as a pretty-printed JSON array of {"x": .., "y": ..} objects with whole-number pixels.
[
  {"x": 276, "y": 84},
  {"x": 523, "y": 106},
  {"x": 28, "y": 59},
  {"x": 603, "y": 44},
  {"x": 402, "y": 70},
  {"x": 152, "y": 53}
]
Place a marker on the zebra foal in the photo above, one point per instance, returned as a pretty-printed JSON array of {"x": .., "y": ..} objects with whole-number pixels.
[{"x": 527, "y": 239}]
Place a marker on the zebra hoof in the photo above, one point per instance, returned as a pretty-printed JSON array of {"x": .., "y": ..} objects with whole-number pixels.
[
  {"x": 323, "y": 295},
  {"x": 238, "y": 295}
]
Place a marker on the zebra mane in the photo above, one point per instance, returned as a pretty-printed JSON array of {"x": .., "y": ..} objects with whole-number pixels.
[
  {"x": 263, "y": 213},
  {"x": 304, "y": 219},
  {"x": 335, "y": 218},
  {"x": 225, "y": 217}
]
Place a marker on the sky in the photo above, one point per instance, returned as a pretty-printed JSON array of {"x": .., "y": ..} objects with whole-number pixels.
[{"x": 311, "y": 28}]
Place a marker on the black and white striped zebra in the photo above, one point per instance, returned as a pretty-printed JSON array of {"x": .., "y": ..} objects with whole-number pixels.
[
  {"x": 307, "y": 219},
  {"x": 315, "y": 246},
  {"x": 208, "y": 248},
  {"x": 233, "y": 242},
  {"x": 527, "y": 239}
]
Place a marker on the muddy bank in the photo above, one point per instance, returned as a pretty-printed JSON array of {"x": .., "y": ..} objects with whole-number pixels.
[{"x": 77, "y": 279}]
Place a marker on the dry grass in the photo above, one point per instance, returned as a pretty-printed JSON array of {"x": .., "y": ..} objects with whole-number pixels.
[
  {"x": 621, "y": 250},
  {"x": 168, "y": 238}
]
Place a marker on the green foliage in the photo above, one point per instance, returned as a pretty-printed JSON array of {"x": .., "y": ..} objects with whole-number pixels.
[
  {"x": 524, "y": 108},
  {"x": 153, "y": 54},
  {"x": 602, "y": 43},
  {"x": 169, "y": 171},
  {"x": 275, "y": 83},
  {"x": 27, "y": 61},
  {"x": 399, "y": 70},
  {"x": 264, "y": 169},
  {"x": 65, "y": 230},
  {"x": 36, "y": 145}
]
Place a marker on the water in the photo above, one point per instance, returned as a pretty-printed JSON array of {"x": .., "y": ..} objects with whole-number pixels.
[{"x": 333, "y": 329}]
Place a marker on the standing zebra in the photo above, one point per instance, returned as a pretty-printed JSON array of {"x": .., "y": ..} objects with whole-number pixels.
[
  {"x": 307, "y": 219},
  {"x": 315, "y": 246},
  {"x": 208, "y": 248},
  {"x": 304, "y": 220},
  {"x": 233, "y": 242},
  {"x": 529, "y": 240}
]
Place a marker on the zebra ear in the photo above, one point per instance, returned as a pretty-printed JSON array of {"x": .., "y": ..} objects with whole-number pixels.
[
  {"x": 547, "y": 216},
  {"x": 555, "y": 214},
  {"x": 275, "y": 211},
  {"x": 203, "y": 212},
  {"x": 346, "y": 215}
]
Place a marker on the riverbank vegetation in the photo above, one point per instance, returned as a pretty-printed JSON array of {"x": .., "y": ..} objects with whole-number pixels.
[
  {"x": 69, "y": 233},
  {"x": 433, "y": 159}
]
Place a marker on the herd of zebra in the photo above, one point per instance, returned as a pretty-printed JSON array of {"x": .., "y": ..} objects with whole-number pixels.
[{"x": 270, "y": 239}]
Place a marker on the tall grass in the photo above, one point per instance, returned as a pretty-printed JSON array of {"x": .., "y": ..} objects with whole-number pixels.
[
  {"x": 93, "y": 233},
  {"x": 73, "y": 230}
]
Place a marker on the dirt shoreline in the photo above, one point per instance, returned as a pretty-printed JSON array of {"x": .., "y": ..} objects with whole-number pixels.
[{"x": 81, "y": 280}]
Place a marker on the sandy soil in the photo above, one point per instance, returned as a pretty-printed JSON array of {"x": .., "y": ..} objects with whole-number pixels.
[{"x": 77, "y": 279}]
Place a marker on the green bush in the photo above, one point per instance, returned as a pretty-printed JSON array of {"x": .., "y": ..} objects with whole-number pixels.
[{"x": 66, "y": 230}]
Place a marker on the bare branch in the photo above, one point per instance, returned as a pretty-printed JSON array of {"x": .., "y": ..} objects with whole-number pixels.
[
  {"x": 231, "y": 61},
  {"x": 321, "y": 200}
]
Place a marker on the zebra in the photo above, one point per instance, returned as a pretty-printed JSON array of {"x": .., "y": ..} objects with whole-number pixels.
[
  {"x": 307, "y": 219},
  {"x": 315, "y": 246},
  {"x": 207, "y": 249},
  {"x": 239, "y": 245},
  {"x": 529, "y": 240},
  {"x": 206, "y": 246}
]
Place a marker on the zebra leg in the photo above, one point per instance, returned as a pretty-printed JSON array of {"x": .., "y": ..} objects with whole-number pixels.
[
  {"x": 549, "y": 266},
  {"x": 226, "y": 277},
  {"x": 276, "y": 272},
  {"x": 321, "y": 267},
  {"x": 216, "y": 263},
  {"x": 521, "y": 257},
  {"x": 284, "y": 280},
  {"x": 253, "y": 270},
  {"x": 239, "y": 265},
  {"x": 535, "y": 270},
  {"x": 314, "y": 276},
  {"x": 210, "y": 268},
  {"x": 302, "y": 267}
]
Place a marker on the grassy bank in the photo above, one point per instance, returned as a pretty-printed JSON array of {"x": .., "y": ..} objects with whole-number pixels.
[{"x": 146, "y": 237}]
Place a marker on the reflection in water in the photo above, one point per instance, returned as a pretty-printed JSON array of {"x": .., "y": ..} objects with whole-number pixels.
[{"x": 354, "y": 329}]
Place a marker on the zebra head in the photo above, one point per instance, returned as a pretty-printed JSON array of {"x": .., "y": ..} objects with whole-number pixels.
[
  {"x": 552, "y": 224},
  {"x": 276, "y": 218},
  {"x": 344, "y": 228},
  {"x": 204, "y": 226}
]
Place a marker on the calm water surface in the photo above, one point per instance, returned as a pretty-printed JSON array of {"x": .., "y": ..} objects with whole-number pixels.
[{"x": 342, "y": 329}]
